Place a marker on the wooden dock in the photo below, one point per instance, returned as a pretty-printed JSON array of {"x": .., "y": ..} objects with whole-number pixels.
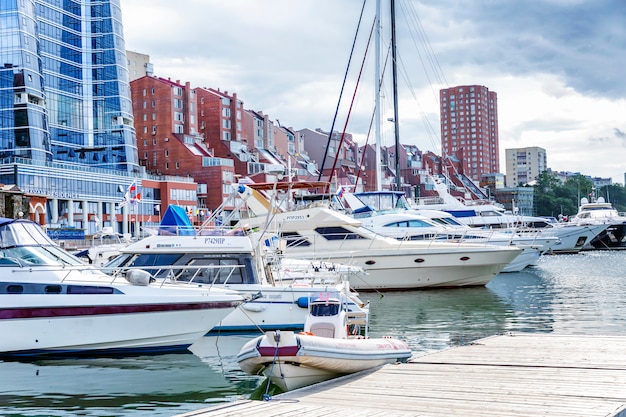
[{"x": 510, "y": 375}]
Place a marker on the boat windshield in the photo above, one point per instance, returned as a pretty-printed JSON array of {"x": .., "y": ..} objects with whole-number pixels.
[
  {"x": 25, "y": 243},
  {"x": 324, "y": 309},
  {"x": 23, "y": 234}
]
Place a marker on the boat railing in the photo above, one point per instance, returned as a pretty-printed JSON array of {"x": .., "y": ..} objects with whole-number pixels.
[
  {"x": 198, "y": 275},
  {"x": 357, "y": 323},
  {"x": 346, "y": 240},
  {"x": 202, "y": 230}
]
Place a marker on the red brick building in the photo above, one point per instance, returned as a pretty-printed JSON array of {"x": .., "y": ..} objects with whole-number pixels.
[
  {"x": 469, "y": 129},
  {"x": 169, "y": 141}
]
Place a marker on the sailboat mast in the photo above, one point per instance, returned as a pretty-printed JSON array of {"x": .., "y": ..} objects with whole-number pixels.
[
  {"x": 396, "y": 124},
  {"x": 377, "y": 81}
]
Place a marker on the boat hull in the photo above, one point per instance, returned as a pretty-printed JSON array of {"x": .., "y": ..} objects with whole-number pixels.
[
  {"x": 528, "y": 257},
  {"x": 408, "y": 268},
  {"x": 293, "y": 360},
  {"x": 573, "y": 238},
  {"x": 69, "y": 324},
  {"x": 612, "y": 237}
]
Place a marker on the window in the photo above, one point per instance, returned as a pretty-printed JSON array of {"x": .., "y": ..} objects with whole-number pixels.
[
  {"x": 294, "y": 239},
  {"x": 337, "y": 233}
]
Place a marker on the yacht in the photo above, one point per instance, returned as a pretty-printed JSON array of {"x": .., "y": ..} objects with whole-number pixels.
[
  {"x": 572, "y": 237},
  {"x": 277, "y": 289},
  {"x": 320, "y": 232},
  {"x": 602, "y": 212},
  {"x": 368, "y": 206},
  {"x": 410, "y": 226},
  {"x": 53, "y": 304}
]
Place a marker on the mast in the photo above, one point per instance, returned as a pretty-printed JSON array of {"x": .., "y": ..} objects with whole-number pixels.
[
  {"x": 377, "y": 134},
  {"x": 396, "y": 124}
]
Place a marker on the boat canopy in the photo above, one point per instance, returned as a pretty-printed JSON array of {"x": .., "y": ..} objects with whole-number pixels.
[{"x": 176, "y": 222}]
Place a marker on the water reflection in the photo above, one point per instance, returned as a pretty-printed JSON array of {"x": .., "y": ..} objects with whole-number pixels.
[
  {"x": 112, "y": 386},
  {"x": 436, "y": 319}
]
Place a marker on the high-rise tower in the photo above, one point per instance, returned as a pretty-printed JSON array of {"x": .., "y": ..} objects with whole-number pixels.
[
  {"x": 67, "y": 137},
  {"x": 64, "y": 89},
  {"x": 469, "y": 128}
]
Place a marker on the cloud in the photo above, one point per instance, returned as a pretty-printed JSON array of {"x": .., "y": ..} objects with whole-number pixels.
[{"x": 556, "y": 65}]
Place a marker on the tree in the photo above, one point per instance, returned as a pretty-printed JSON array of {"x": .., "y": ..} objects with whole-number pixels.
[{"x": 553, "y": 198}]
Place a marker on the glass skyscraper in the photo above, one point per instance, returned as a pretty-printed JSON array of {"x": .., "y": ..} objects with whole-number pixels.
[
  {"x": 64, "y": 69},
  {"x": 66, "y": 124}
]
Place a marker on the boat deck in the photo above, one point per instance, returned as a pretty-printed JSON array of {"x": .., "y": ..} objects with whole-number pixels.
[{"x": 509, "y": 375}]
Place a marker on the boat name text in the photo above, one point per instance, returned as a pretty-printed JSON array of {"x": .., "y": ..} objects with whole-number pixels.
[
  {"x": 214, "y": 240},
  {"x": 295, "y": 218}
]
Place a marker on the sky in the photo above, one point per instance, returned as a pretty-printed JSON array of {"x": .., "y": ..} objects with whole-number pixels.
[{"x": 557, "y": 66}]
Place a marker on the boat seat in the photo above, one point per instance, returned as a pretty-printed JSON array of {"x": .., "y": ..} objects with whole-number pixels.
[{"x": 323, "y": 330}]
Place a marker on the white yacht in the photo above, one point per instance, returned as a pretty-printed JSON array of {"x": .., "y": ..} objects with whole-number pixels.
[
  {"x": 388, "y": 213},
  {"x": 319, "y": 232},
  {"x": 53, "y": 304},
  {"x": 405, "y": 225},
  {"x": 572, "y": 237},
  {"x": 277, "y": 289},
  {"x": 602, "y": 212}
]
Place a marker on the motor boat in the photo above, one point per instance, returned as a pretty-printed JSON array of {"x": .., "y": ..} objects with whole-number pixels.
[
  {"x": 571, "y": 238},
  {"x": 602, "y": 212},
  {"x": 105, "y": 245},
  {"x": 407, "y": 226},
  {"x": 391, "y": 217},
  {"x": 277, "y": 289},
  {"x": 53, "y": 304},
  {"x": 320, "y": 232},
  {"x": 334, "y": 342}
]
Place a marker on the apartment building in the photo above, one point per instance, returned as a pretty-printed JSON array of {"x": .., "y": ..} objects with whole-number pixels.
[
  {"x": 469, "y": 129},
  {"x": 523, "y": 165}
]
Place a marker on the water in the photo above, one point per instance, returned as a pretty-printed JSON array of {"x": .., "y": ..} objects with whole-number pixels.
[{"x": 567, "y": 294}]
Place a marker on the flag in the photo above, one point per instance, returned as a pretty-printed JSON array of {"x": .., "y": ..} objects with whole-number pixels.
[
  {"x": 340, "y": 192},
  {"x": 135, "y": 199},
  {"x": 131, "y": 196}
]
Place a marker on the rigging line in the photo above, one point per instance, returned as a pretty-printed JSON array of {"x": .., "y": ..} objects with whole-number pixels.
[
  {"x": 356, "y": 89},
  {"x": 369, "y": 131},
  {"x": 430, "y": 53},
  {"x": 432, "y": 59},
  {"x": 429, "y": 128},
  {"x": 343, "y": 85}
]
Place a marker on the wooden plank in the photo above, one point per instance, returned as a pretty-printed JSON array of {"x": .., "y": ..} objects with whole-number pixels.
[{"x": 513, "y": 375}]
